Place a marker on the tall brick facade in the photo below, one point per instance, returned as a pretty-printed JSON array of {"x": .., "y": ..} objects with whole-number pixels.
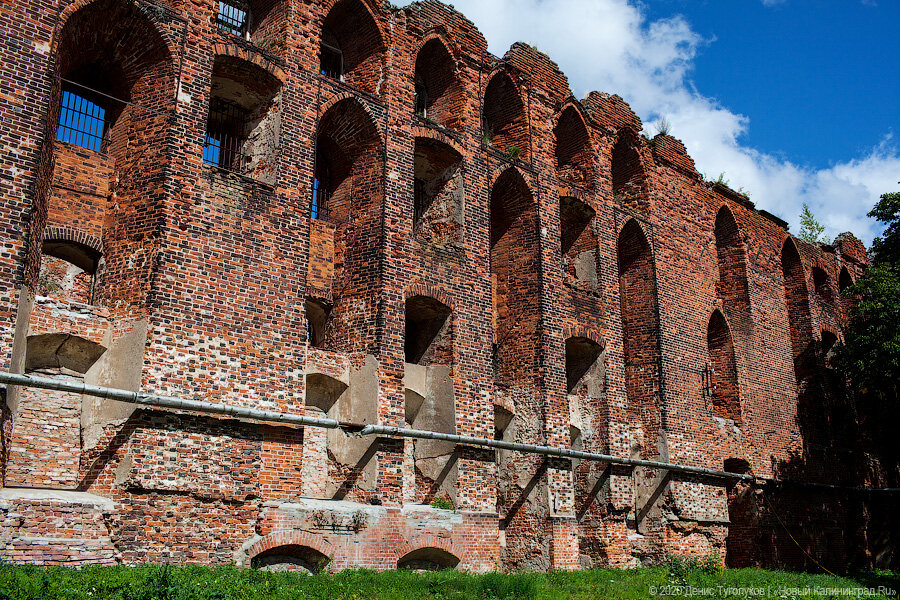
[{"x": 352, "y": 210}]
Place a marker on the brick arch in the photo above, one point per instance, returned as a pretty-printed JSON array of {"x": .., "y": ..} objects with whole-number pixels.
[
  {"x": 76, "y": 236},
  {"x": 731, "y": 257},
  {"x": 426, "y": 132},
  {"x": 517, "y": 172},
  {"x": 172, "y": 45},
  {"x": 439, "y": 34},
  {"x": 428, "y": 541},
  {"x": 796, "y": 295},
  {"x": 419, "y": 288},
  {"x": 249, "y": 56},
  {"x": 503, "y": 113},
  {"x": 336, "y": 99},
  {"x": 588, "y": 333},
  {"x": 291, "y": 538},
  {"x": 361, "y": 23},
  {"x": 573, "y": 153},
  {"x": 724, "y": 386}
]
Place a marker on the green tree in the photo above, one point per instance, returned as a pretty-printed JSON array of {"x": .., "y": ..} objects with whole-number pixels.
[
  {"x": 870, "y": 354},
  {"x": 810, "y": 229},
  {"x": 886, "y": 249}
]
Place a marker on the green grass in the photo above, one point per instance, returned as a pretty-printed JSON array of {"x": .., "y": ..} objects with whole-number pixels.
[{"x": 156, "y": 582}]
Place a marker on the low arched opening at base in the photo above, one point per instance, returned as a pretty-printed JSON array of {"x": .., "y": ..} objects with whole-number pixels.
[
  {"x": 294, "y": 558},
  {"x": 428, "y": 559}
]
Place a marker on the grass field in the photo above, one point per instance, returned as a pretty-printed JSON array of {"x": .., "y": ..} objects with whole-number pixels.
[{"x": 677, "y": 578}]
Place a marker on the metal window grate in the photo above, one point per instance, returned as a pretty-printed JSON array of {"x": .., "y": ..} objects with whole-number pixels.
[
  {"x": 225, "y": 135},
  {"x": 331, "y": 59},
  {"x": 321, "y": 194},
  {"x": 81, "y": 122},
  {"x": 233, "y": 17}
]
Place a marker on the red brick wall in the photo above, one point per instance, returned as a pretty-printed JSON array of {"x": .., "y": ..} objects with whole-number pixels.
[{"x": 217, "y": 268}]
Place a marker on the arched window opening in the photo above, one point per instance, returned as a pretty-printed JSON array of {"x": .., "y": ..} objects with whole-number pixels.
[
  {"x": 428, "y": 559},
  {"x": 640, "y": 333},
  {"x": 438, "y": 93},
  {"x": 724, "y": 391},
  {"x": 293, "y": 558},
  {"x": 68, "y": 271},
  {"x": 731, "y": 256},
  {"x": 799, "y": 320},
  {"x": 244, "y": 121},
  {"x": 428, "y": 332},
  {"x": 845, "y": 280},
  {"x": 628, "y": 174},
  {"x": 578, "y": 242},
  {"x": 115, "y": 97},
  {"x": 573, "y": 150},
  {"x": 505, "y": 124},
  {"x": 514, "y": 275},
  {"x": 351, "y": 48},
  {"x": 45, "y": 444},
  {"x": 317, "y": 312},
  {"x": 437, "y": 191}
]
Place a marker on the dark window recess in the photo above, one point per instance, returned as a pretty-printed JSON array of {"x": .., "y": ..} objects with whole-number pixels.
[
  {"x": 421, "y": 98},
  {"x": 332, "y": 57},
  {"x": 420, "y": 200},
  {"x": 321, "y": 185},
  {"x": 81, "y": 122},
  {"x": 233, "y": 17},
  {"x": 224, "y": 135}
]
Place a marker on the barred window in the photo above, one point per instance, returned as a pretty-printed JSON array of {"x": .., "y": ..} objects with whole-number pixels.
[
  {"x": 81, "y": 122},
  {"x": 233, "y": 17},
  {"x": 224, "y": 134},
  {"x": 321, "y": 183}
]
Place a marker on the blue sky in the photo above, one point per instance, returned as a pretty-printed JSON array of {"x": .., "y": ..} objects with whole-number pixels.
[
  {"x": 794, "y": 100},
  {"x": 819, "y": 81}
]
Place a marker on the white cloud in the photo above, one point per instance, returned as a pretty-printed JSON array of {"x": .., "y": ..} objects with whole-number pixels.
[{"x": 609, "y": 45}]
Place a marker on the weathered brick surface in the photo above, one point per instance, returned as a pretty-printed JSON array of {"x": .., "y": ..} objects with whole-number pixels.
[{"x": 500, "y": 258}]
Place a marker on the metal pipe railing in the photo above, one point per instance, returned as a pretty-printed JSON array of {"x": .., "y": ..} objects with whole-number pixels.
[
  {"x": 359, "y": 429},
  {"x": 166, "y": 401},
  {"x": 550, "y": 451}
]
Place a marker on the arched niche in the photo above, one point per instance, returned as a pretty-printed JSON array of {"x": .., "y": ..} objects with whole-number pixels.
[
  {"x": 724, "y": 390},
  {"x": 68, "y": 271},
  {"x": 504, "y": 122},
  {"x": 429, "y": 395},
  {"x": 578, "y": 243},
  {"x": 346, "y": 225},
  {"x": 293, "y": 558},
  {"x": 627, "y": 172},
  {"x": 640, "y": 334},
  {"x": 514, "y": 275},
  {"x": 352, "y": 48},
  {"x": 438, "y": 191},
  {"x": 731, "y": 256},
  {"x": 428, "y": 559},
  {"x": 797, "y": 300},
  {"x": 574, "y": 155},
  {"x": 438, "y": 93}
]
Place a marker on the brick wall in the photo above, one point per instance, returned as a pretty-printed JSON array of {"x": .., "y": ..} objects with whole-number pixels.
[{"x": 594, "y": 291}]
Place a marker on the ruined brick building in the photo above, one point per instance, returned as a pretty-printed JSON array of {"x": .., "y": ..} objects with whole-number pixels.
[{"x": 352, "y": 210}]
